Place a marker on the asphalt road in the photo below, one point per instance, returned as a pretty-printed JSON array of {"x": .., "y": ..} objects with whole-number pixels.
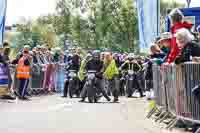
[{"x": 53, "y": 114}]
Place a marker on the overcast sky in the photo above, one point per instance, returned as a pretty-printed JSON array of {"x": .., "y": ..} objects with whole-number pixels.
[
  {"x": 34, "y": 8},
  {"x": 28, "y": 8}
]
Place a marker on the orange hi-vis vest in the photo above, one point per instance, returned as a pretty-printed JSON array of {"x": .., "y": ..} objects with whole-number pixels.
[{"x": 23, "y": 72}]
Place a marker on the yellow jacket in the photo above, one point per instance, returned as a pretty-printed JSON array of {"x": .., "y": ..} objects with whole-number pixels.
[{"x": 111, "y": 70}]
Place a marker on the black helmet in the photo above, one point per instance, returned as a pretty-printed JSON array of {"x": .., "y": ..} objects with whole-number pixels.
[{"x": 96, "y": 53}]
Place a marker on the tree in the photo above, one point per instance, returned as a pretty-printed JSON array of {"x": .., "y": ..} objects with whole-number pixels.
[{"x": 99, "y": 23}]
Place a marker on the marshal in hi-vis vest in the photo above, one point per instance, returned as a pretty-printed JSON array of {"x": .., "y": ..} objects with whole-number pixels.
[{"x": 23, "y": 71}]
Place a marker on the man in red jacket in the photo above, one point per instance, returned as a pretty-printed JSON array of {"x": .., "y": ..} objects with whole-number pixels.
[{"x": 176, "y": 17}]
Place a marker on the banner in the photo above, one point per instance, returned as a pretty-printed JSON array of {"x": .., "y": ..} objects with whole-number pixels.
[
  {"x": 191, "y": 15},
  {"x": 148, "y": 21},
  {"x": 3, "y": 6}
]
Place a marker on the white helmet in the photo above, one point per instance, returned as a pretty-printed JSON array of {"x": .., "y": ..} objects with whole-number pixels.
[{"x": 131, "y": 55}]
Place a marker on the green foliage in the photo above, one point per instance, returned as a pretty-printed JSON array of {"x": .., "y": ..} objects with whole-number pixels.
[
  {"x": 91, "y": 24},
  {"x": 99, "y": 24}
]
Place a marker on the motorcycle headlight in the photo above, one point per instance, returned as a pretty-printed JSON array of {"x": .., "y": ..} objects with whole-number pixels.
[
  {"x": 91, "y": 76},
  {"x": 130, "y": 72},
  {"x": 72, "y": 74}
]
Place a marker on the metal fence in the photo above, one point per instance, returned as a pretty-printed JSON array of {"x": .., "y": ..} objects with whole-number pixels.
[
  {"x": 48, "y": 76},
  {"x": 173, "y": 90}
]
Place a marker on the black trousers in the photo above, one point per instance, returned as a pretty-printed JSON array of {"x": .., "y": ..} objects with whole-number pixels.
[
  {"x": 23, "y": 85},
  {"x": 65, "y": 91},
  {"x": 113, "y": 84},
  {"x": 136, "y": 84}
]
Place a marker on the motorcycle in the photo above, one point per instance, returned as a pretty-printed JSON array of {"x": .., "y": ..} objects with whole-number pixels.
[
  {"x": 122, "y": 84},
  {"x": 73, "y": 86},
  {"x": 130, "y": 84},
  {"x": 91, "y": 90}
]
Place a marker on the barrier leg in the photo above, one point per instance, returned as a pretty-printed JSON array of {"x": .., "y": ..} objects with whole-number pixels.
[
  {"x": 151, "y": 112},
  {"x": 166, "y": 115},
  {"x": 160, "y": 116},
  {"x": 172, "y": 124},
  {"x": 158, "y": 113},
  {"x": 168, "y": 122}
]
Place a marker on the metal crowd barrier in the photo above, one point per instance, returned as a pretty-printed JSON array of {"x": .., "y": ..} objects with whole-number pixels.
[
  {"x": 173, "y": 90},
  {"x": 48, "y": 76},
  {"x": 158, "y": 87}
]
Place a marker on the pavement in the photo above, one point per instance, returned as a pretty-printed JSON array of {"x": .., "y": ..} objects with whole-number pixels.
[{"x": 53, "y": 114}]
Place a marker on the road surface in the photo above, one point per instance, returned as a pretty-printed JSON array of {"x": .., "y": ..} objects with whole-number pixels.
[{"x": 53, "y": 114}]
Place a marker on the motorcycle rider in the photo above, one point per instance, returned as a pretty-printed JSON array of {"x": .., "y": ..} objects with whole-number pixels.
[
  {"x": 95, "y": 64},
  {"x": 131, "y": 64},
  {"x": 111, "y": 74},
  {"x": 74, "y": 64},
  {"x": 76, "y": 60},
  {"x": 82, "y": 72}
]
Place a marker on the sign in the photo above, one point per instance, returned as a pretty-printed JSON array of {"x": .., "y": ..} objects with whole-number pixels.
[{"x": 191, "y": 15}]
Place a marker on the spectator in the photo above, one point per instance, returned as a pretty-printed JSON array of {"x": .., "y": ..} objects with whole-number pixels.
[
  {"x": 176, "y": 17},
  {"x": 6, "y": 54},
  {"x": 23, "y": 72},
  {"x": 164, "y": 42},
  {"x": 6, "y": 44},
  {"x": 188, "y": 48},
  {"x": 156, "y": 54},
  {"x": 76, "y": 60}
]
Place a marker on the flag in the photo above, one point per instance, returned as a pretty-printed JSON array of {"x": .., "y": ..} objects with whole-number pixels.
[
  {"x": 3, "y": 6},
  {"x": 148, "y": 21}
]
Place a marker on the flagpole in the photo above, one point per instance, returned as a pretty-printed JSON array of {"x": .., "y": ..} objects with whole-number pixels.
[
  {"x": 158, "y": 17},
  {"x": 188, "y": 3},
  {"x": 3, "y": 30}
]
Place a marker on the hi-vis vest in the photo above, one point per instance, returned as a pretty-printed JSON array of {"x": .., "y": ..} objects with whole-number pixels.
[{"x": 23, "y": 72}]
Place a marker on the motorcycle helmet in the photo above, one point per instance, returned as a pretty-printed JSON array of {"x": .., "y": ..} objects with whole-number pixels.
[
  {"x": 131, "y": 56},
  {"x": 96, "y": 53},
  {"x": 88, "y": 56}
]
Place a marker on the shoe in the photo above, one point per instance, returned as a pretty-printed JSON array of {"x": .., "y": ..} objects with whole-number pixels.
[
  {"x": 95, "y": 101},
  {"x": 25, "y": 98},
  {"x": 46, "y": 92},
  {"x": 108, "y": 99},
  {"x": 142, "y": 96},
  {"x": 82, "y": 100},
  {"x": 115, "y": 100},
  {"x": 54, "y": 90},
  {"x": 90, "y": 101}
]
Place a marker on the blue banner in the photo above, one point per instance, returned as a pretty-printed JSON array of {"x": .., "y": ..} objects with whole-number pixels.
[
  {"x": 3, "y": 6},
  {"x": 148, "y": 21},
  {"x": 191, "y": 15}
]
